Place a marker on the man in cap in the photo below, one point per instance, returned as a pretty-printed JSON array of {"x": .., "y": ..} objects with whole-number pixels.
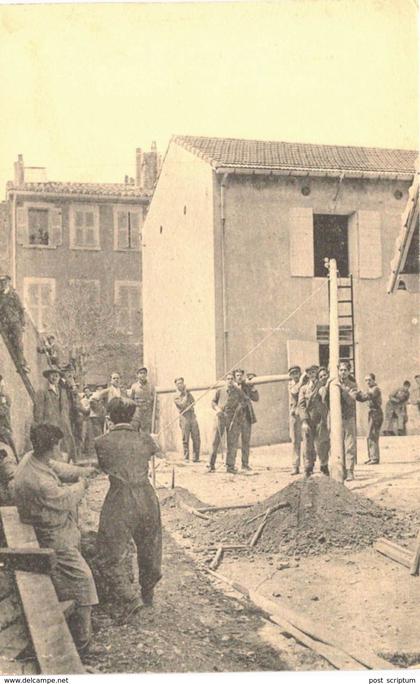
[
  {"x": 12, "y": 320},
  {"x": 228, "y": 403},
  {"x": 311, "y": 416},
  {"x": 248, "y": 416},
  {"x": 348, "y": 391},
  {"x": 297, "y": 379},
  {"x": 375, "y": 417},
  {"x": 51, "y": 405},
  {"x": 77, "y": 411},
  {"x": 51, "y": 507},
  {"x": 143, "y": 394},
  {"x": 184, "y": 401},
  {"x": 396, "y": 410},
  {"x": 130, "y": 510}
]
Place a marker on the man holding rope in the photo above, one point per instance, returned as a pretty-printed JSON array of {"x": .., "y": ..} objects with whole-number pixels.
[{"x": 228, "y": 402}]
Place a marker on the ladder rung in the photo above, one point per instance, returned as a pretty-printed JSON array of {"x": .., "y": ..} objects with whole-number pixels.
[
  {"x": 345, "y": 316},
  {"x": 344, "y": 287},
  {"x": 344, "y": 301}
]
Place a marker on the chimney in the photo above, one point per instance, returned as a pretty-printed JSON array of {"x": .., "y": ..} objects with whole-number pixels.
[
  {"x": 147, "y": 168},
  {"x": 19, "y": 170}
]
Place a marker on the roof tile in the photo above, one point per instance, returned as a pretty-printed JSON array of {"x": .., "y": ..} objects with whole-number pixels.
[
  {"x": 271, "y": 155},
  {"x": 65, "y": 188}
]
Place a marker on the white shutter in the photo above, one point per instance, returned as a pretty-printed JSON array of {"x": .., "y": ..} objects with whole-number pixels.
[
  {"x": 370, "y": 244},
  {"x": 301, "y": 241},
  {"x": 135, "y": 229},
  {"x": 22, "y": 226},
  {"x": 122, "y": 226},
  {"x": 56, "y": 227}
]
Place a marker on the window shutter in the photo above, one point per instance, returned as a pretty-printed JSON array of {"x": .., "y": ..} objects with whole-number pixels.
[
  {"x": 135, "y": 230},
  {"x": 21, "y": 226},
  {"x": 122, "y": 230},
  {"x": 370, "y": 244},
  {"x": 301, "y": 241},
  {"x": 56, "y": 227}
]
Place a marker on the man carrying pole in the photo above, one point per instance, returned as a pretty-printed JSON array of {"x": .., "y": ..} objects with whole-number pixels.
[{"x": 228, "y": 403}]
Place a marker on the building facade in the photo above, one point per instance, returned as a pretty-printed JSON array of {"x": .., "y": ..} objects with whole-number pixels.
[
  {"x": 236, "y": 237},
  {"x": 81, "y": 242}
]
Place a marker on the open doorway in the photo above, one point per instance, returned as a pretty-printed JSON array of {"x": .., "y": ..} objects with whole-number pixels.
[{"x": 331, "y": 241}]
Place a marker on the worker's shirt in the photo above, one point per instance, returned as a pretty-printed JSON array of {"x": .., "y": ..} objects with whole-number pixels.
[
  {"x": 310, "y": 405},
  {"x": 46, "y": 503},
  {"x": 124, "y": 454},
  {"x": 230, "y": 400},
  {"x": 400, "y": 396},
  {"x": 185, "y": 404},
  {"x": 348, "y": 404},
  {"x": 251, "y": 394},
  {"x": 294, "y": 388},
  {"x": 11, "y": 309},
  {"x": 143, "y": 394},
  {"x": 373, "y": 396}
]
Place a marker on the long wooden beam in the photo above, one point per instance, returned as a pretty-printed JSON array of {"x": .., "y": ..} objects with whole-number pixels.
[{"x": 259, "y": 380}]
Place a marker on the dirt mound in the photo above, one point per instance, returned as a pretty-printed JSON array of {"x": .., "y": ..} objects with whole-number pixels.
[{"x": 320, "y": 515}]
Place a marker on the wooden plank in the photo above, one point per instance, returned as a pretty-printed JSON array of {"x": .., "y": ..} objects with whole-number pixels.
[
  {"x": 50, "y": 635},
  {"x": 415, "y": 563},
  {"x": 394, "y": 554},
  {"x": 14, "y": 639},
  {"x": 258, "y": 533},
  {"x": 211, "y": 509},
  {"x": 193, "y": 511},
  {"x": 29, "y": 560},
  {"x": 218, "y": 557}
]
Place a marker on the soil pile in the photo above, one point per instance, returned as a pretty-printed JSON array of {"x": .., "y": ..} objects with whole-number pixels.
[{"x": 320, "y": 515}]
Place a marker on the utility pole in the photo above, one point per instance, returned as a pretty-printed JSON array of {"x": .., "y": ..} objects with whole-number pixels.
[{"x": 336, "y": 430}]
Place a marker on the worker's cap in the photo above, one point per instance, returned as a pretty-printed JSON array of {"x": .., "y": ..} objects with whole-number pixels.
[
  {"x": 294, "y": 369},
  {"x": 180, "y": 379},
  {"x": 322, "y": 369},
  {"x": 143, "y": 368},
  {"x": 52, "y": 369},
  {"x": 370, "y": 376},
  {"x": 251, "y": 375},
  {"x": 314, "y": 367},
  {"x": 4, "y": 276},
  {"x": 44, "y": 436}
]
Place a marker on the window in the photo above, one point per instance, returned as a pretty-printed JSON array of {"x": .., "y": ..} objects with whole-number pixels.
[
  {"x": 39, "y": 297},
  {"x": 345, "y": 338},
  {"x": 331, "y": 242},
  {"x": 128, "y": 304},
  {"x": 84, "y": 227},
  {"x": 127, "y": 223},
  {"x": 411, "y": 266},
  {"x": 324, "y": 354},
  {"x": 38, "y": 226},
  {"x": 86, "y": 288}
]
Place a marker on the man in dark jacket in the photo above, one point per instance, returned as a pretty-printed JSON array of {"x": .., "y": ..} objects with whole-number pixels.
[
  {"x": 248, "y": 416},
  {"x": 130, "y": 511},
  {"x": 184, "y": 401},
  {"x": 12, "y": 320},
  {"x": 228, "y": 402},
  {"x": 375, "y": 417},
  {"x": 52, "y": 406}
]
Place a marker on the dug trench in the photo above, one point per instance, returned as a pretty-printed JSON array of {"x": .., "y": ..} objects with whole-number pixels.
[{"x": 315, "y": 555}]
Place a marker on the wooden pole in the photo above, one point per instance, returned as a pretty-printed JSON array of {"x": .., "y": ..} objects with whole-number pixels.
[
  {"x": 336, "y": 431},
  {"x": 259, "y": 380},
  {"x": 153, "y": 432}
]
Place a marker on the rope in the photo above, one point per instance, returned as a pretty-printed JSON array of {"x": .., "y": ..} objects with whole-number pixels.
[{"x": 251, "y": 351}]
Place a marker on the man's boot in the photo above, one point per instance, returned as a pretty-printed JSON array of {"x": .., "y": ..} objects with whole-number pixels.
[
  {"x": 80, "y": 626},
  {"x": 325, "y": 470}
]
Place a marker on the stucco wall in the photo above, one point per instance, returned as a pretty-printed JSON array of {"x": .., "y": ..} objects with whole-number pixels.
[
  {"x": 261, "y": 291},
  {"x": 178, "y": 283}
]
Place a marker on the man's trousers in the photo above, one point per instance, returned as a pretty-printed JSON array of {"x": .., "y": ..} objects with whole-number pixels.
[
  {"x": 295, "y": 431},
  {"x": 232, "y": 425},
  {"x": 189, "y": 428}
]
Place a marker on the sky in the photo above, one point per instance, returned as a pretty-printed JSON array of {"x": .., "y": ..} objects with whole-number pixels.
[{"x": 81, "y": 86}]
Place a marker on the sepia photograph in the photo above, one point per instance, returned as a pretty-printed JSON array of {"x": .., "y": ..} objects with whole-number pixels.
[{"x": 209, "y": 340}]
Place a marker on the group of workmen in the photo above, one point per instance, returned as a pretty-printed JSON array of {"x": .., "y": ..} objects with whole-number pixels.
[{"x": 47, "y": 491}]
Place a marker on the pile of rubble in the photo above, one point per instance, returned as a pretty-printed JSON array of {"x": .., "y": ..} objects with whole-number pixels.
[{"x": 308, "y": 517}]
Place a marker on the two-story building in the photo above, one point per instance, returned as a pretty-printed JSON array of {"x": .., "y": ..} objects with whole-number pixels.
[
  {"x": 233, "y": 261},
  {"x": 66, "y": 238}
]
